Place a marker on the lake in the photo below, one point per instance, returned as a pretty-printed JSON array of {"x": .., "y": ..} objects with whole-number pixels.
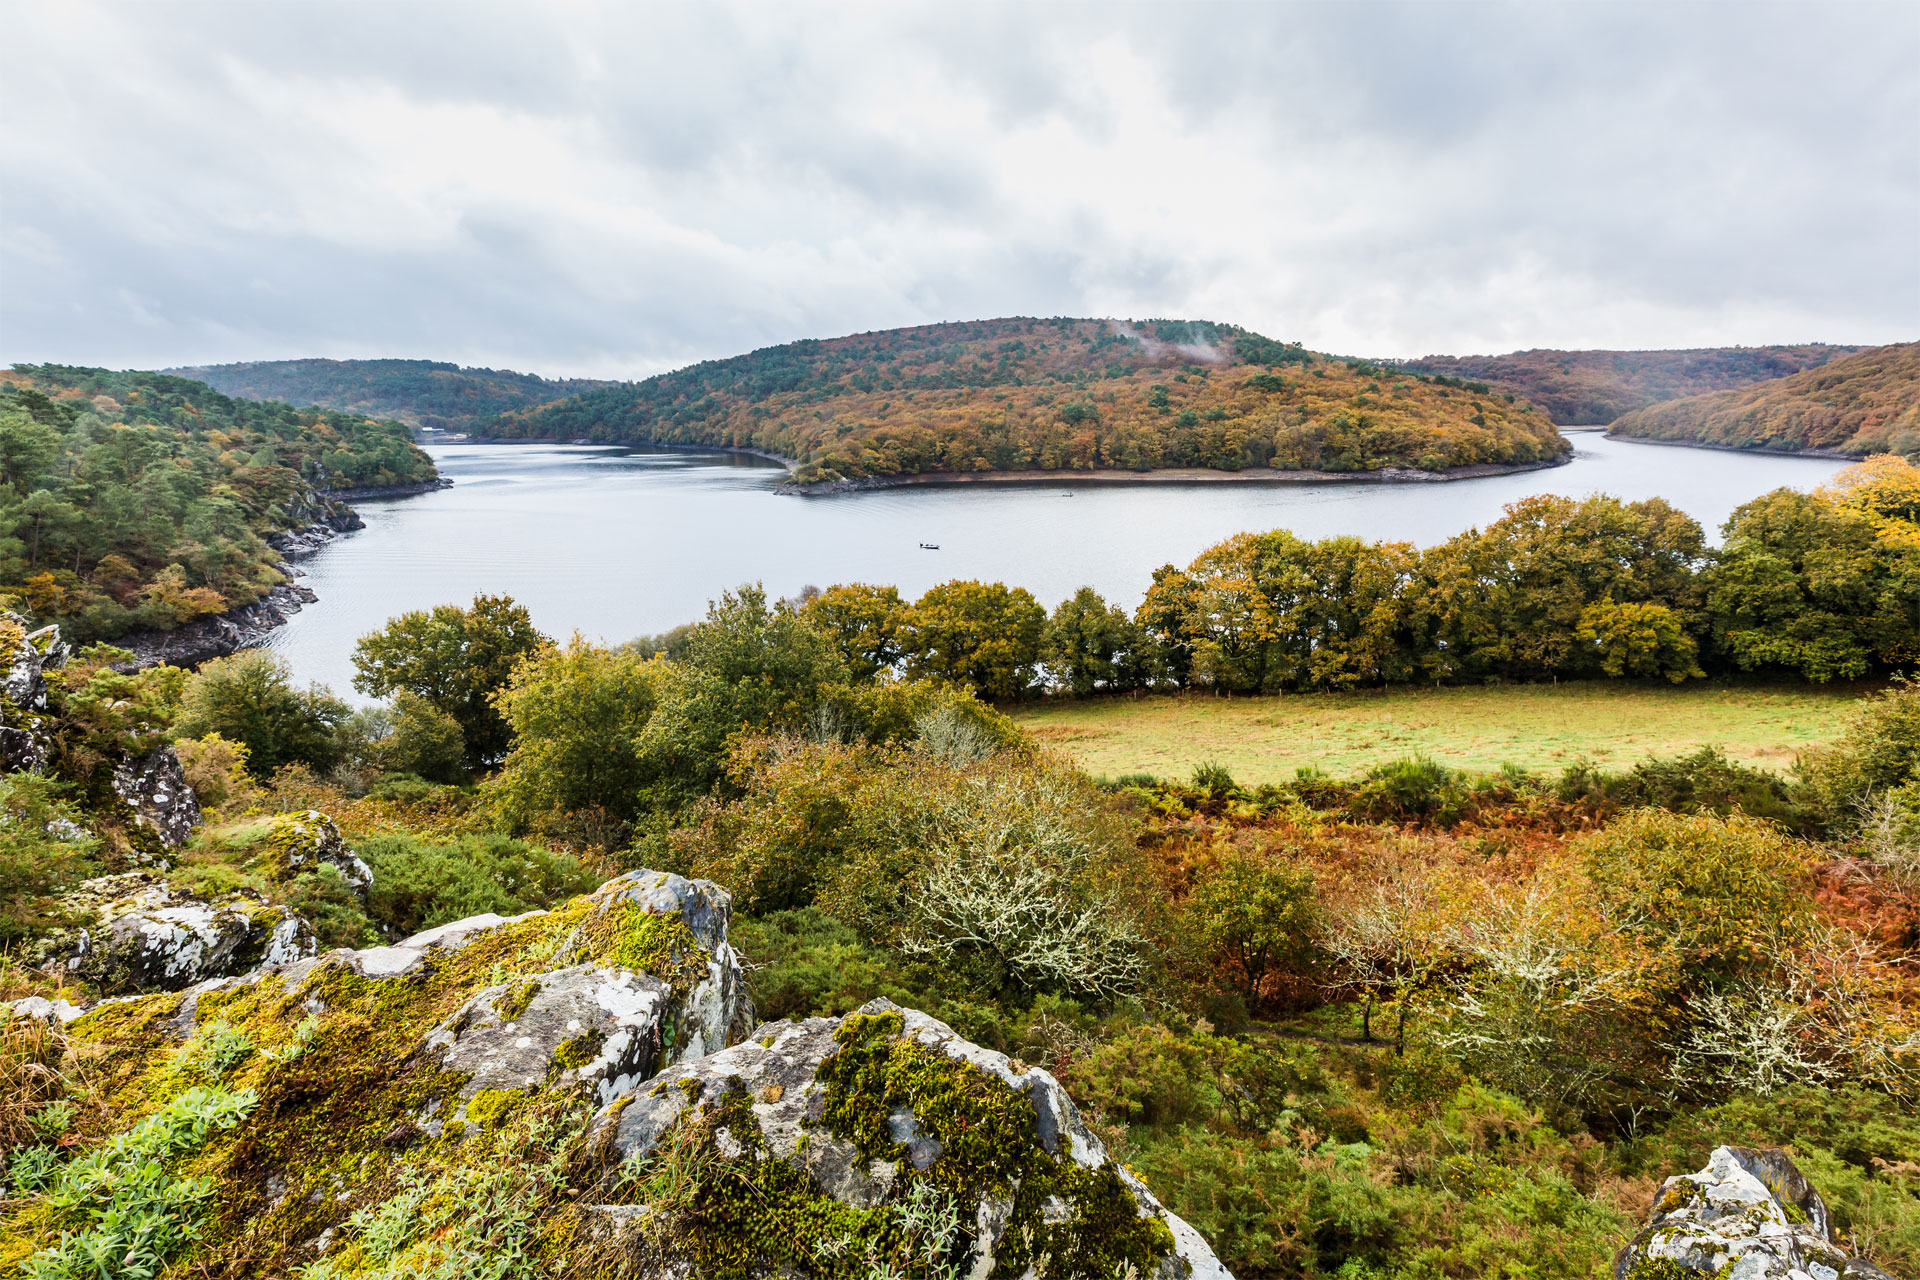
[{"x": 616, "y": 543}]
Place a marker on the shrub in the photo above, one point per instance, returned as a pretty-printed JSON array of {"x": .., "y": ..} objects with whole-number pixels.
[
  {"x": 417, "y": 884},
  {"x": 46, "y": 851},
  {"x": 423, "y": 740},
  {"x": 1258, "y": 923},
  {"x": 576, "y": 714},
  {"x": 1720, "y": 892},
  {"x": 249, "y": 699}
]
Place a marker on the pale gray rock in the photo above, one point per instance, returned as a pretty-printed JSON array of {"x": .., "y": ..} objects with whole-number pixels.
[
  {"x": 154, "y": 788},
  {"x": 777, "y": 1068},
  {"x": 716, "y": 1010},
  {"x": 1749, "y": 1215}
]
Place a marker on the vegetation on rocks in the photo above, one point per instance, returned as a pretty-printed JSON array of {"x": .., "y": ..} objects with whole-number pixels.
[{"x": 1076, "y": 395}]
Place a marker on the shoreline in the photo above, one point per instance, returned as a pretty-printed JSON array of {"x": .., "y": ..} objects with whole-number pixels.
[
  {"x": 1830, "y": 455},
  {"x": 1173, "y": 475},
  {"x": 378, "y": 491}
]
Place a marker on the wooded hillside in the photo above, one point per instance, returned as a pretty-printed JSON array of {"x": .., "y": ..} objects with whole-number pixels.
[
  {"x": 1060, "y": 394},
  {"x": 1591, "y": 388},
  {"x": 143, "y": 500},
  {"x": 1860, "y": 404},
  {"x": 420, "y": 393}
]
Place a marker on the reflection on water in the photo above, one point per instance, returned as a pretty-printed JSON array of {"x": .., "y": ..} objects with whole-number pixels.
[{"x": 617, "y": 543}]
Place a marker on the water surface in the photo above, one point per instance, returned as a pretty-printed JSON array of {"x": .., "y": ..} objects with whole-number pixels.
[{"x": 616, "y": 543}]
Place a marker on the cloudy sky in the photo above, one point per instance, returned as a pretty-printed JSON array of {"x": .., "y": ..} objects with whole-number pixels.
[{"x": 615, "y": 189}]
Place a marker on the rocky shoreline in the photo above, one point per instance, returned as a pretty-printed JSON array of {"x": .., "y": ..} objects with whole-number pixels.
[
  {"x": 1175, "y": 475},
  {"x": 388, "y": 490}
]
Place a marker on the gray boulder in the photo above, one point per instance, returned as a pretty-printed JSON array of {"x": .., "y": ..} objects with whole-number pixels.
[
  {"x": 942, "y": 1147},
  {"x": 1749, "y": 1215},
  {"x": 23, "y": 694},
  {"x": 134, "y": 932},
  {"x": 309, "y": 838},
  {"x": 154, "y": 788}
]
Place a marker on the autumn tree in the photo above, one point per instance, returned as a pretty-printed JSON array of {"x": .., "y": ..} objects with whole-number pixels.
[{"x": 986, "y": 635}]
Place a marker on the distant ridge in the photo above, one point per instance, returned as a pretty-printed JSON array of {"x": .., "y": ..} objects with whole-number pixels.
[
  {"x": 420, "y": 393},
  {"x": 1059, "y": 395},
  {"x": 1868, "y": 402},
  {"x": 1592, "y": 388}
]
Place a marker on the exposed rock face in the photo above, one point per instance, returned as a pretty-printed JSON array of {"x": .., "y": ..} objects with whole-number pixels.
[
  {"x": 889, "y": 1112},
  {"x": 217, "y": 636},
  {"x": 155, "y": 789},
  {"x": 310, "y": 839},
  {"x": 1749, "y": 1215},
  {"x": 23, "y": 694},
  {"x": 134, "y": 932},
  {"x": 692, "y": 951}
]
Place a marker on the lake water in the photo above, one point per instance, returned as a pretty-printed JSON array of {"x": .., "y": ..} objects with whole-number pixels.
[{"x": 616, "y": 543}]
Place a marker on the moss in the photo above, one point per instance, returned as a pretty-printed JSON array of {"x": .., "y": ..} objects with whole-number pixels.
[
  {"x": 631, "y": 937},
  {"x": 491, "y": 1108},
  {"x": 579, "y": 1051}
]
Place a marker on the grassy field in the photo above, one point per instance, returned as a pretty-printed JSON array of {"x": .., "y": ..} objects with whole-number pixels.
[{"x": 1535, "y": 726}]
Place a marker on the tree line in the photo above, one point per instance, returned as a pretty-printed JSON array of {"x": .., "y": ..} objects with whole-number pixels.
[{"x": 1821, "y": 586}]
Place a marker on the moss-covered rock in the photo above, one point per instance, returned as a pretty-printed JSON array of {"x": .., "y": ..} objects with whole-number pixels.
[
  {"x": 1749, "y": 1214},
  {"x": 135, "y": 932},
  {"x": 308, "y": 839},
  {"x": 828, "y": 1146}
]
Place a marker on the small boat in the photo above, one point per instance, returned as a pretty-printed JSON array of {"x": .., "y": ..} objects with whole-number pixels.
[{"x": 929, "y": 546}]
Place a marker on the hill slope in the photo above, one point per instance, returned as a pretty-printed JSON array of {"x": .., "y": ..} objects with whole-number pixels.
[
  {"x": 420, "y": 393},
  {"x": 140, "y": 500},
  {"x": 1863, "y": 403},
  {"x": 1590, "y": 388},
  {"x": 1062, "y": 394}
]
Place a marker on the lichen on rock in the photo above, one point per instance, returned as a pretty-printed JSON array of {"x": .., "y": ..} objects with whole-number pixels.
[
  {"x": 309, "y": 838},
  {"x": 1749, "y": 1215},
  {"x": 154, "y": 789},
  {"x": 134, "y": 932},
  {"x": 835, "y": 1142}
]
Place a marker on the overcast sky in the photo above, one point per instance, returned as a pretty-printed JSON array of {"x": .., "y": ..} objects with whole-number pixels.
[{"x": 613, "y": 189}]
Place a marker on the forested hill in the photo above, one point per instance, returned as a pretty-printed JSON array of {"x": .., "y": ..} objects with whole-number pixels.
[
  {"x": 1592, "y": 388},
  {"x": 1061, "y": 394},
  {"x": 136, "y": 500},
  {"x": 420, "y": 393},
  {"x": 1864, "y": 403}
]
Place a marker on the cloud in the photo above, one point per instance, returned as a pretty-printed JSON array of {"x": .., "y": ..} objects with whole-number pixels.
[{"x": 615, "y": 189}]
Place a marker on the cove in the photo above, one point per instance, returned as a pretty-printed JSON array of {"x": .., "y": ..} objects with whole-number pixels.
[{"x": 615, "y": 543}]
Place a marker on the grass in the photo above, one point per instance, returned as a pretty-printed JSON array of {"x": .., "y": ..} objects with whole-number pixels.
[{"x": 1535, "y": 726}]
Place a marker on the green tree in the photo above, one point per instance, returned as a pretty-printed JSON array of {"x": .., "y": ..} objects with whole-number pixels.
[
  {"x": 456, "y": 659},
  {"x": 27, "y": 449},
  {"x": 1809, "y": 584},
  {"x": 748, "y": 665},
  {"x": 249, "y": 698},
  {"x": 423, "y": 740},
  {"x": 576, "y": 714},
  {"x": 1258, "y": 923},
  {"x": 47, "y": 852},
  {"x": 1640, "y": 640},
  {"x": 982, "y": 634},
  {"x": 1092, "y": 646},
  {"x": 1508, "y": 600},
  {"x": 865, "y": 623}
]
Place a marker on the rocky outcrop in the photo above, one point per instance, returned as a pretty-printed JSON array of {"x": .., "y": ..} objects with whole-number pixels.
[
  {"x": 310, "y": 839},
  {"x": 134, "y": 932},
  {"x": 23, "y": 693},
  {"x": 1749, "y": 1215},
  {"x": 218, "y": 635},
  {"x": 373, "y": 491},
  {"x": 954, "y": 1150},
  {"x": 154, "y": 789}
]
